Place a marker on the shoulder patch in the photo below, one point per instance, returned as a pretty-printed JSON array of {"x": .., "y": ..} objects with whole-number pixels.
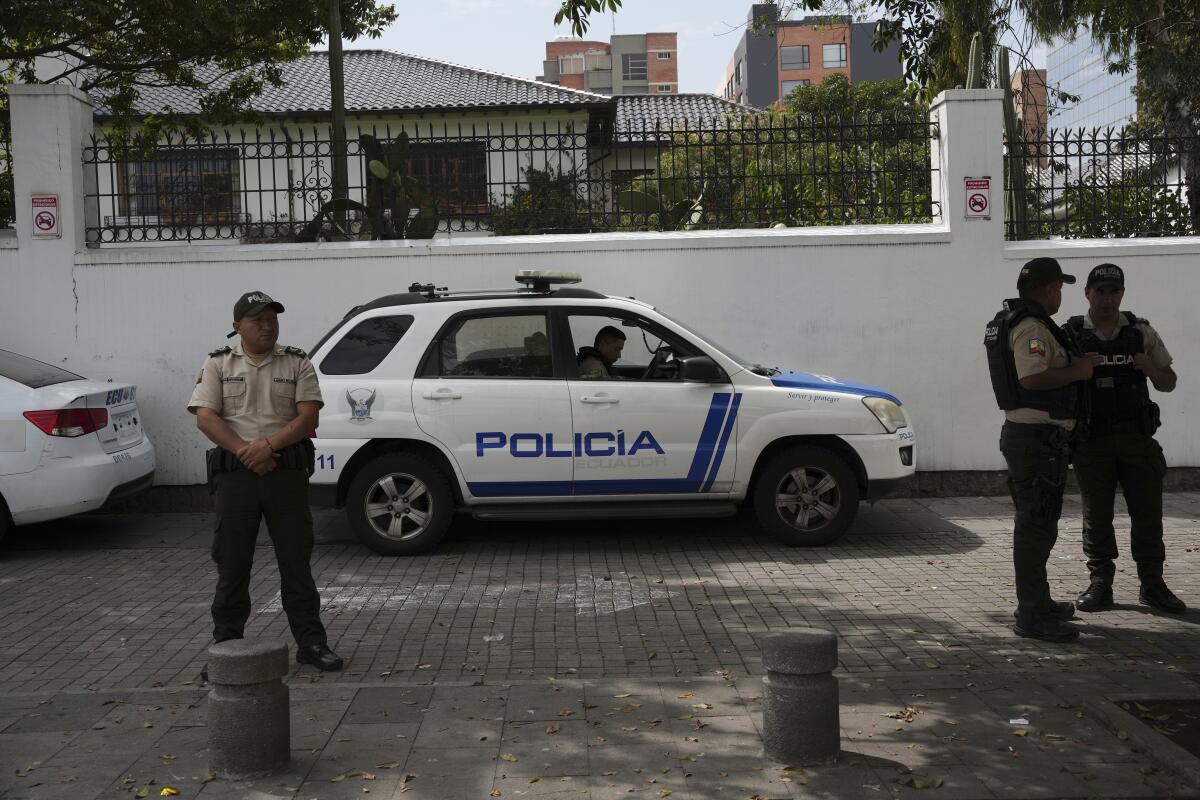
[
  {"x": 295, "y": 351},
  {"x": 220, "y": 351}
]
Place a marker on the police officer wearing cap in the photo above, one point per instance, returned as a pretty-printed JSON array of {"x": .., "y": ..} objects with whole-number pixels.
[
  {"x": 257, "y": 401},
  {"x": 1117, "y": 443},
  {"x": 1036, "y": 372}
]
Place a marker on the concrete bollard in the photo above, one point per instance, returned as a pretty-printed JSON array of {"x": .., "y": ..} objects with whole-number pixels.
[
  {"x": 249, "y": 727},
  {"x": 801, "y": 724}
]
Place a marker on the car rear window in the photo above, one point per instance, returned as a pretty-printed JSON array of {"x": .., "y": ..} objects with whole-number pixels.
[
  {"x": 365, "y": 345},
  {"x": 31, "y": 372}
]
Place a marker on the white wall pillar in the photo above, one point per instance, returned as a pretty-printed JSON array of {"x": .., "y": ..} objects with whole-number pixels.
[
  {"x": 50, "y": 125},
  {"x": 970, "y": 144}
]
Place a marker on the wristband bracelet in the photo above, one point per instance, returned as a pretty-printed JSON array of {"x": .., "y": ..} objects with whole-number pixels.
[{"x": 268, "y": 441}]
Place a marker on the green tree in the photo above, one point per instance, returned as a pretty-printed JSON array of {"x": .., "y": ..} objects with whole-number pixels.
[
  {"x": 112, "y": 49},
  {"x": 1163, "y": 39},
  {"x": 835, "y": 154},
  {"x": 550, "y": 201}
]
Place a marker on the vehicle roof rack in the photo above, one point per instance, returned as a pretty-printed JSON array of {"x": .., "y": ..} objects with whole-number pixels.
[
  {"x": 540, "y": 281},
  {"x": 428, "y": 290}
]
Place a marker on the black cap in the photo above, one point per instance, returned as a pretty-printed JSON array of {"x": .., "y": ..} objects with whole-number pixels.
[
  {"x": 252, "y": 303},
  {"x": 1106, "y": 275},
  {"x": 1041, "y": 271}
]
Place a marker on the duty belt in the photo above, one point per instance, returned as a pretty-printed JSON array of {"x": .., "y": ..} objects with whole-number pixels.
[{"x": 299, "y": 455}]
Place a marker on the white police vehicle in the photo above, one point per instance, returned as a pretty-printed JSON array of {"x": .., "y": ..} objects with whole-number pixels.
[{"x": 439, "y": 401}]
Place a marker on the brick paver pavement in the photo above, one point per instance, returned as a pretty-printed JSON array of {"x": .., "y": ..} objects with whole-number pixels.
[{"x": 459, "y": 660}]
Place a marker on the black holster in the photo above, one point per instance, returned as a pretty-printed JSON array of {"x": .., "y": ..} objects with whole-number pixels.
[
  {"x": 1050, "y": 481},
  {"x": 299, "y": 455}
]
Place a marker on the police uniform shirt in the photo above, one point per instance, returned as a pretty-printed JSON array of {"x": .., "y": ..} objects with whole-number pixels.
[
  {"x": 1151, "y": 341},
  {"x": 1035, "y": 350},
  {"x": 257, "y": 400}
]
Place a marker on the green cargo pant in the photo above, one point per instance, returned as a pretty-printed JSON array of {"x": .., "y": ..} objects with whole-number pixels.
[
  {"x": 1037, "y": 474},
  {"x": 1136, "y": 462},
  {"x": 241, "y": 500}
]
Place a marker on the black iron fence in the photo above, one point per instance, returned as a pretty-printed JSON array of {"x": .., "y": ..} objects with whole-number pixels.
[
  {"x": 8, "y": 207},
  {"x": 1101, "y": 183},
  {"x": 275, "y": 184}
]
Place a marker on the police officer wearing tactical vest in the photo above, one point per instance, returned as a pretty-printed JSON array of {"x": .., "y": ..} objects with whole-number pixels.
[
  {"x": 1117, "y": 443},
  {"x": 257, "y": 401},
  {"x": 1036, "y": 372}
]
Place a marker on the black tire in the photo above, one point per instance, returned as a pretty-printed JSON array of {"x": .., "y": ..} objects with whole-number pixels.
[
  {"x": 6, "y": 523},
  {"x": 400, "y": 505},
  {"x": 806, "y": 496}
]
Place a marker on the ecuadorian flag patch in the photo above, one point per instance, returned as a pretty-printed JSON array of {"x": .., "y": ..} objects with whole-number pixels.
[{"x": 1037, "y": 347}]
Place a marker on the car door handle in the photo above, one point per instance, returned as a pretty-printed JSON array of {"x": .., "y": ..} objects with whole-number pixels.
[
  {"x": 443, "y": 394},
  {"x": 599, "y": 400}
]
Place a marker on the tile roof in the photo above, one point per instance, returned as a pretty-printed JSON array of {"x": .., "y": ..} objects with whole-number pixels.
[
  {"x": 639, "y": 116},
  {"x": 383, "y": 81}
]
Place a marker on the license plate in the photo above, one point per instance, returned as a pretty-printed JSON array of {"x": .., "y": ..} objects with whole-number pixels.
[{"x": 119, "y": 458}]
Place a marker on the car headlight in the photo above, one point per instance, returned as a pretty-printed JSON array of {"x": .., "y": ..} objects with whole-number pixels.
[{"x": 889, "y": 414}]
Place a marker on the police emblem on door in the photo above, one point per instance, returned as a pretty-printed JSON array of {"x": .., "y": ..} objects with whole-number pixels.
[{"x": 360, "y": 401}]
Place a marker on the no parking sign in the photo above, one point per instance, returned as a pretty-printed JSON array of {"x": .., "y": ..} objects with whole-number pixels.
[
  {"x": 45, "y": 216},
  {"x": 978, "y": 198}
]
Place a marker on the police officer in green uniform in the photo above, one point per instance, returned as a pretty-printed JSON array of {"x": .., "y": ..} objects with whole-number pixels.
[
  {"x": 1035, "y": 371},
  {"x": 1117, "y": 445},
  {"x": 257, "y": 401}
]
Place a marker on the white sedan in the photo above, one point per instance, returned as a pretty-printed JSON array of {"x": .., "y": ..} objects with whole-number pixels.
[{"x": 67, "y": 444}]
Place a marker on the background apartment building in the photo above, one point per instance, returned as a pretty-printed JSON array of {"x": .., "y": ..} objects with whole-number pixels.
[
  {"x": 775, "y": 56},
  {"x": 1079, "y": 67},
  {"x": 638, "y": 63}
]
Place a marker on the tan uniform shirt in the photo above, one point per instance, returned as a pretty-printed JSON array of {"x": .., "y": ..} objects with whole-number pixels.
[
  {"x": 256, "y": 400},
  {"x": 1035, "y": 350},
  {"x": 1150, "y": 339}
]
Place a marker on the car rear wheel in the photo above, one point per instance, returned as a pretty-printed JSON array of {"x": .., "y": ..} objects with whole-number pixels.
[
  {"x": 400, "y": 504},
  {"x": 806, "y": 496},
  {"x": 6, "y": 523}
]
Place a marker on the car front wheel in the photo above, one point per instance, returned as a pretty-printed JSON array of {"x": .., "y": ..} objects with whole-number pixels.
[
  {"x": 806, "y": 496},
  {"x": 400, "y": 504}
]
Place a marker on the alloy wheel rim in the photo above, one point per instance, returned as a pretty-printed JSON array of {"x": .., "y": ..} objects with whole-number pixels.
[
  {"x": 398, "y": 506},
  {"x": 808, "y": 499}
]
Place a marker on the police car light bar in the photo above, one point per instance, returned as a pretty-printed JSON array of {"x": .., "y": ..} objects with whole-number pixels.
[{"x": 537, "y": 280}]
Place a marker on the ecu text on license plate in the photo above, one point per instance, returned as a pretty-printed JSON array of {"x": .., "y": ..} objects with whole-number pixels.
[{"x": 121, "y": 457}]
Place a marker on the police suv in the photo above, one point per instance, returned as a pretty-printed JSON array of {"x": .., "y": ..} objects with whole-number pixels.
[{"x": 439, "y": 401}]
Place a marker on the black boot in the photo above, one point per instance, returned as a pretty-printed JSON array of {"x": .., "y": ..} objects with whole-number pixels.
[
  {"x": 1157, "y": 595},
  {"x": 320, "y": 656},
  {"x": 1035, "y": 626},
  {"x": 1096, "y": 597},
  {"x": 1059, "y": 612}
]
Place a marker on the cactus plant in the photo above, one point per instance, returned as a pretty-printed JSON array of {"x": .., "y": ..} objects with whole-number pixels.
[{"x": 397, "y": 205}]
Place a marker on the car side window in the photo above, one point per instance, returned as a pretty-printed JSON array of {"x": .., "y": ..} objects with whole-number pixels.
[
  {"x": 496, "y": 346},
  {"x": 646, "y": 353},
  {"x": 365, "y": 346}
]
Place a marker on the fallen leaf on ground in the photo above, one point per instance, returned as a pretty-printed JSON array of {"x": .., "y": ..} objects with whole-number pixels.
[
  {"x": 907, "y": 714},
  {"x": 623, "y": 695},
  {"x": 567, "y": 712},
  {"x": 1020, "y": 732},
  {"x": 168, "y": 791},
  {"x": 389, "y": 765},
  {"x": 702, "y": 705},
  {"x": 552, "y": 728},
  {"x": 494, "y": 793},
  {"x": 508, "y": 757}
]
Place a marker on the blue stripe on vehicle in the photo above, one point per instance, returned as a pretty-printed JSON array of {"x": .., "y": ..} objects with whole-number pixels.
[
  {"x": 806, "y": 380},
  {"x": 563, "y": 488},
  {"x": 706, "y": 445},
  {"x": 520, "y": 488},
  {"x": 729, "y": 420}
]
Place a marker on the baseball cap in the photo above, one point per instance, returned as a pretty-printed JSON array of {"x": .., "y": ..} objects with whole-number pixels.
[
  {"x": 1041, "y": 271},
  {"x": 252, "y": 303},
  {"x": 1106, "y": 275}
]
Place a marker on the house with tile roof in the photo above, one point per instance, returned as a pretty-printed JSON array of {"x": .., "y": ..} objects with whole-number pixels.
[{"x": 473, "y": 135}]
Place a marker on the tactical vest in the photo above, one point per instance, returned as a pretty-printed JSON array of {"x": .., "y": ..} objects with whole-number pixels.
[
  {"x": 1061, "y": 403},
  {"x": 1118, "y": 391}
]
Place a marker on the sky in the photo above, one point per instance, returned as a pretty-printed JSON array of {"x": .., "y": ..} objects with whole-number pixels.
[{"x": 509, "y": 36}]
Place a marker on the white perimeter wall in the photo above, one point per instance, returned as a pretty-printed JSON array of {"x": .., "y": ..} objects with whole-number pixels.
[{"x": 903, "y": 307}]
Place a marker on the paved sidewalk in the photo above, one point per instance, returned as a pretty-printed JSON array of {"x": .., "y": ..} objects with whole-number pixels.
[{"x": 618, "y": 662}]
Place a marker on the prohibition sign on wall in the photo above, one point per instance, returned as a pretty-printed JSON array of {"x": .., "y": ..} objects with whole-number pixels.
[
  {"x": 978, "y": 198},
  {"x": 45, "y": 216}
]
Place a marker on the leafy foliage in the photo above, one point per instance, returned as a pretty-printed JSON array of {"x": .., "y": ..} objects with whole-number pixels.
[
  {"x": 549, "y": 201},
  {"x": 838, "y": 153},
  {"x": 226, "y": 49}
]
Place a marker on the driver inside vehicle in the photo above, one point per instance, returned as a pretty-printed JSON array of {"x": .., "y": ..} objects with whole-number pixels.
[{"x": 596, "y": 362}]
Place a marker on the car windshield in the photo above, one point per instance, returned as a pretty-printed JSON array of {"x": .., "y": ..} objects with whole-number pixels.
[
  {"x": 725, "y": 351},
  {"x": 31, "y": 372}
]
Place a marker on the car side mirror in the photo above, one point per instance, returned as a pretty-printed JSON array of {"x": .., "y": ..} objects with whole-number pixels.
[{"x": 700, "y": 369}]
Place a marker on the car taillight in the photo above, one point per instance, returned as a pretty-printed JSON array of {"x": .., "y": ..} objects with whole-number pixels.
[{"x": 69, "y": 422}]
